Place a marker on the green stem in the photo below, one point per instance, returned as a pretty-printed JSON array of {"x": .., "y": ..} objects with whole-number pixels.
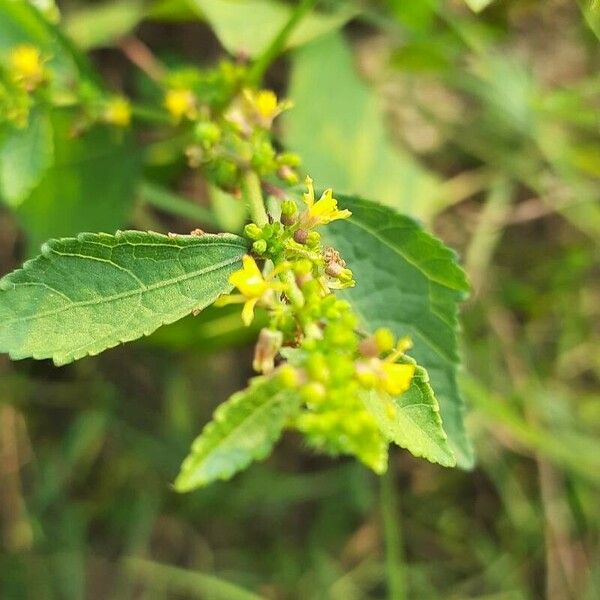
[
  {"x": 392, "y": 530},
  {"x": 166, "y": 200},
  {"x": 254, "y": 198},
  {"x": 275, "y": 48}
]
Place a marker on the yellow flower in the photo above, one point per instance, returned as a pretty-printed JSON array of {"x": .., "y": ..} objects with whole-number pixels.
[
  {"x": 181, "y": 103},
  {"x": 26, "y": 66},
  {"x": 253, "y": 287},
  {"x": 265, "y": 105},
  {"x": 325, "y": 209},
  {"x": 396, "y": 378},
  {"x": 117, "y": 112}
]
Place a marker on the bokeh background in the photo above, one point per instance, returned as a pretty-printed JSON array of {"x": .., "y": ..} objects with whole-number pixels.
[{"x": 485, "y": 126}]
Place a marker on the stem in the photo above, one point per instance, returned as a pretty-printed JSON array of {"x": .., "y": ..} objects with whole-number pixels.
[
  {"x": 392, "y": 531},
  {"x": 254, "y": 199},
  {"x": 166, "y": 200},
  {"x": 274, "y": 49}
]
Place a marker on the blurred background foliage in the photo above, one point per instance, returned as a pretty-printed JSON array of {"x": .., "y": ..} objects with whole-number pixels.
[{"x": 482, "y": 124}]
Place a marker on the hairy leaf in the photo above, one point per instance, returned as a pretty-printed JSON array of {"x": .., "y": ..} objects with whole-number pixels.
[
  {"x": 24, "y": 156},
  {"x": 86, "y": 294},
  {"x": 249, "y": 27},
  {"x": 337, "y": 126},
  {"x": 410, "y": 282},
  {"x": 413, "y": 420},
  {"x": 243, "y": 429}
]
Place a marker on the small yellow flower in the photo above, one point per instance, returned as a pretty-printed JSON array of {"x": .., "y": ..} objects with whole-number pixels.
[
  {"x": 26, "y": 66},
  {"x": 325, "y": 209},
  {"x": 253, "y": 287},
  {"x": 117, "y": 112},
  {"x": 265, "y": 105},
  {"x": 181, "y": 103},
  {"x": 396, "y": 377}
]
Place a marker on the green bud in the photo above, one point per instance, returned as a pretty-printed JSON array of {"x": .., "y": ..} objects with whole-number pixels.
[
  {"x": 207, "y": 133},
  {"x": 313, "y": 239},
  {"x": 259, "y": 246},
  {"x": 288, "y": 376},
  {"x": 288, "y": 207},
  {"x": 312, "y": 393},
  {"x": 302, "y": 266},
  {"x": 317, "y": 368},
  {"x": 289, "y": 159},
  {"x": 253, "y": 231}
]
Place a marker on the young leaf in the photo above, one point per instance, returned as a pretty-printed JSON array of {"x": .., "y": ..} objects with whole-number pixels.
[
  {"x": 413, "y": 422},
  {"x": 244, "y": 428},
  {"x": 337, "y": 126},
  {"x": 86, "y": 294},
  {"x": 24, "y": 156},
  {"x": 409, "y": 282}
]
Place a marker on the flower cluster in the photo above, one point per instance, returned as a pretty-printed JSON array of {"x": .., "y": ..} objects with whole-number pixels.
[
  {"x": 314, "y": 335},
  {"x": 226, "y": 124}
]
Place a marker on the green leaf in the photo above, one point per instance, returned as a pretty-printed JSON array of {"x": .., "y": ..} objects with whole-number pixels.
[
  {"x": 415, "y": 424},
  {"x": 25, "y": 154},
  {"x": 89, "y": 187},
  {"x": 591, "y": 11},
  {"x": 98, "y": 25},
  {"x": 86, "y": 294},
  {"x": 337, "y": 127},
  {"x": 409, "y": 281},
  {"x": 249, "y": 27},
  {"x": 243, "y": 429}
]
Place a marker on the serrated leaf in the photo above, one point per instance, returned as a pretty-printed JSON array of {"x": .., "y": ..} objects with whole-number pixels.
[
  {"x": 24, "y": 156},
  {"x": 86, "y": 294},
  {"x": 409, "y": 281},
  {"x": 243, "y": 429},
  {"x": 337, "y": 127},
  {"x": 249, "y": 27},
  {"x": 89, "y": 187},
  {"x": 414, "y": 422}
]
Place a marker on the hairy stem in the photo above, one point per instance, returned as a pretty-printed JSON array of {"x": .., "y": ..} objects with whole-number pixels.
[
  {"x": 275, "y": 48},
  {"x": 254, "y": 199}
]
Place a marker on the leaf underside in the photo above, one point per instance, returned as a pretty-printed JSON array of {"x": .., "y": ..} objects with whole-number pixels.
[
  {"x": 243, "y": 429},
  {"x": 86, "y": 294},
  {"x": 409, "y": 282}
]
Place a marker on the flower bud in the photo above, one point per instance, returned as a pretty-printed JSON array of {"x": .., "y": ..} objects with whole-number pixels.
[
  {"x": 207, "y": 133},
  {"x": 288, "y": 376},
  {"x": 368, "y": 347},
  {"x": 384, "y": 340},
  {"x": 253, "y": 231},
  {"x": 301, "y": 236},
  {"x": 314, "y": 238},
  {"x": 312, "y": 393},
  {"x": 266, "y": 349},
  {"x": 259, "y": 246}
]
